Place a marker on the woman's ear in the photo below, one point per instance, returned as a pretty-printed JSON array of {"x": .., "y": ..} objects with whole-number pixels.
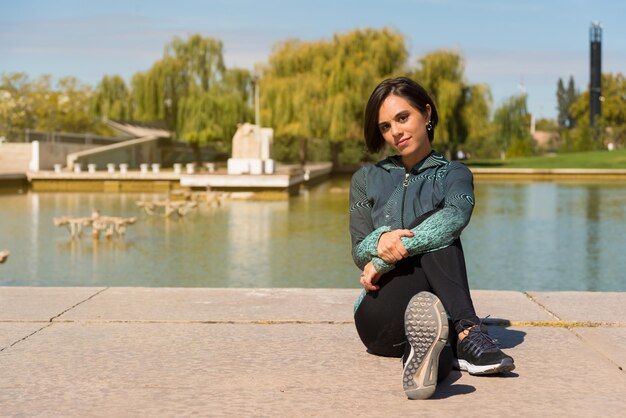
[{"x": 428, "y": 112}]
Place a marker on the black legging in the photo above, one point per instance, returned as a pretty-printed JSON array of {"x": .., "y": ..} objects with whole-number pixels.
[{"x": 379, "y": 318}]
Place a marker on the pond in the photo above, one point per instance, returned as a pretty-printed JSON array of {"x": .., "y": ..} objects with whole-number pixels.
[{"x": 523, "y": 236}]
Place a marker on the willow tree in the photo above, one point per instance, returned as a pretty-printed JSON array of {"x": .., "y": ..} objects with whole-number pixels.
[
  {"x": 111, "y": 99},
  {"x": 475, "y": 115},
  {"x": 318, "y": 89},
  {"x": 463, "y": 108},
  {"x": 192, "y": 91},
  {"x": 512, "y": 125}
]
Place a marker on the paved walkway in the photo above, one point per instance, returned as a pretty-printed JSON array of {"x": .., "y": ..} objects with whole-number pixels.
[{"x": 77, "y": 352}]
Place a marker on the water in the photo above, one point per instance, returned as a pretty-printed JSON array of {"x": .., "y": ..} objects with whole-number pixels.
[{"x": 523, "y": 236}]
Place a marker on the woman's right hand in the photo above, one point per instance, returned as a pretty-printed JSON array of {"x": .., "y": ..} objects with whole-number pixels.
[
  {"x": 369, "y": 277},
  {"x": 390, "y": 248}
]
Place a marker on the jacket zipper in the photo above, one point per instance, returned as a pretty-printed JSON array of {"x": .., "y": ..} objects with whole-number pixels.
[{"x": 405, "y": 184}]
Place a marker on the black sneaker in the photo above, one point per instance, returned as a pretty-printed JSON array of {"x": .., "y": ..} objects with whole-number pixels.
[
  {"x": 479, "y": 354},
  {"x": 426, "y": 328}
]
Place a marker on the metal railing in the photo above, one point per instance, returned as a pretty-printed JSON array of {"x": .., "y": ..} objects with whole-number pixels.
[{"x": 70, "y": 138}]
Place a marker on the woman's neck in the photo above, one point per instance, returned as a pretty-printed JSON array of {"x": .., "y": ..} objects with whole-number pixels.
[{"x": 409, "y": 161}]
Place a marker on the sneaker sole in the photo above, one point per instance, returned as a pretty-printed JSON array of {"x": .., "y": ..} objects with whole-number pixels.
[
  {"x": 426, "y": 327},
  {"x": 505, "y": 366}
]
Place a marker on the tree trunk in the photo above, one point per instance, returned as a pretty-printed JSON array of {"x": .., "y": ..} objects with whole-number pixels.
[
  {"x": 335, "y": 149},
  {"x": 197, "y": 154},
  {"x": 302, "y": 154}
]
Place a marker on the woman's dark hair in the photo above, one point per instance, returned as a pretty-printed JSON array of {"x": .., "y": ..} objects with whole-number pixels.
[{"x": 403, "y": 87}]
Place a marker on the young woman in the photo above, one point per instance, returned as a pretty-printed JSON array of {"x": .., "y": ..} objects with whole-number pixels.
[{"x": 406, "y": 215}]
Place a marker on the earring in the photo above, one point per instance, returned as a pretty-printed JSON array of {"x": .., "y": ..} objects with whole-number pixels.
[{"x": 429, "y": 126}]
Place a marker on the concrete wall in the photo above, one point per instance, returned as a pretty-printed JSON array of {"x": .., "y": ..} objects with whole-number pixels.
[
  {"x": 14, "y": 158},
  {"x": 56, "y": 153}
]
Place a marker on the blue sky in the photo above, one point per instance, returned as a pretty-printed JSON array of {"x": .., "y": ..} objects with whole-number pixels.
[{"x": 509, "y": 45}]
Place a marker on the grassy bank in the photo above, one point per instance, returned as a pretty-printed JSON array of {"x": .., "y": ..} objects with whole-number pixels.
[{"x": 591, "y": 159}]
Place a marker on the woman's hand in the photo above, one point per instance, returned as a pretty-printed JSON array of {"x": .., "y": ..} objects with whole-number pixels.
[
  {"x": 390, "y": 248},
  {"x": 369, "y": 277}
]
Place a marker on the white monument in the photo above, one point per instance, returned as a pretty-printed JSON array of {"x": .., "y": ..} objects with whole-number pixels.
[{"x": 252, "y": 146}]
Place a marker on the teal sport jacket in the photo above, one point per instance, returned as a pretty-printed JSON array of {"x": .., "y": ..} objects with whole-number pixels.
[{"x": 385, "y": 197}]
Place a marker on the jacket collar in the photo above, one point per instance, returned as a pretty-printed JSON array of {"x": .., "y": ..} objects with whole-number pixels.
[{"x": 434, "y": 159}]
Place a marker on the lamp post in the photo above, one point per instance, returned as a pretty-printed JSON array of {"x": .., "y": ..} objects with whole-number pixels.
[{"x": 257, "y": 113}]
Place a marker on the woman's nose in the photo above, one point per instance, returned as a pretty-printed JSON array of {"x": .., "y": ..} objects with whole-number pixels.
[{"x": 395, "y": 130}]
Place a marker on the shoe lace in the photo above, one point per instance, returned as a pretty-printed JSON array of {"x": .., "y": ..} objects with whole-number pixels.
[{"x": 479, "y": 341}]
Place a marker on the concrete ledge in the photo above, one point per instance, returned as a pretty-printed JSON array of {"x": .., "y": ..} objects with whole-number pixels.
[
  {"x": 103, "y": 176},
  {"x": 285, "y": 352},
  {"x": 548, "y": 173}
]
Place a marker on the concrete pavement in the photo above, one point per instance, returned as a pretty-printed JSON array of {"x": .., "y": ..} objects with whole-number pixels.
[{"x": 110, "y": 352}]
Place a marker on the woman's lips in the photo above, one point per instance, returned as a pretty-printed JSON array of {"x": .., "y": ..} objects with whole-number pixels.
[{"x": 402, "y": 143}]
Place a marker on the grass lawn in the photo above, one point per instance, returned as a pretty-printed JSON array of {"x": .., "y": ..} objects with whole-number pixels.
[{"x": 590, "y": 159}]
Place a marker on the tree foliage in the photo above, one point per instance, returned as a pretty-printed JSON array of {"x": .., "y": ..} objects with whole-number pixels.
[
  {"x": 610, "y": 125},
  {"x": 38, "y": 104},
  {"x": 111, "y": 99},
  {"x": 565, "y": 99},
  {"x": 512, "y": 122},
  {"x": 192, "y": 91},
  {"x": 318, "y": 89}
]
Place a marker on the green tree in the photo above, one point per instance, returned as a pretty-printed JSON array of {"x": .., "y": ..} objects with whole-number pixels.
[
  {"x": 192, "y": 91},
  {"x": 463, "y": 108},
  {"x": 15, "y": 107},
  {"x": 610, "y": 126},
  {"x": 317, "y": 89},
  {"x": 480, "y": 129},
  {"x": 565, "y": 98},
  {"x": 111, "y": 99},
  {"x": 38, "y": 104},
  {"x": 512, "y": 131}
]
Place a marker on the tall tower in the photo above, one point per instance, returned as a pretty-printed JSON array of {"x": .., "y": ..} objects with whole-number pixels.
[{"x": 595, "y": 60}]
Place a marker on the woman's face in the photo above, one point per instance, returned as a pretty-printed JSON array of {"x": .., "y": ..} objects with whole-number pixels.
[{"x": 404, "y": 128}]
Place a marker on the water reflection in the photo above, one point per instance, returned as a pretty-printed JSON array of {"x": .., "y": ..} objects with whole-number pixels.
[
  {"x": 250, "y": 242},
  {"x": 547, "y": 236},
  {"x": 523, "y": 236}
]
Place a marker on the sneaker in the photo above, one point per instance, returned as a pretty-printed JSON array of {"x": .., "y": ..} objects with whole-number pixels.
[
  {"x": 480, "y": 354},
  {"x": 426, "y": 328}
]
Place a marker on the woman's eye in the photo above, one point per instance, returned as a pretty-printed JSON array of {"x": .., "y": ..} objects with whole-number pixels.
[
  {"x": 403, "y": 118},
  {"x": 384, "y": 128}
]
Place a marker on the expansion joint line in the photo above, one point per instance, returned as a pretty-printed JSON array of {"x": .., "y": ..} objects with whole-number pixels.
[
  {"x": 572, "y": 329},
  {"x": 79, "y": 303},
  {"x": 542, "y": 306}
]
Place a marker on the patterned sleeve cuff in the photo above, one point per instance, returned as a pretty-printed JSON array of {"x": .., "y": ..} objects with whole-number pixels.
[
  {"x": 370, "y": 243},
  {"x": 381, "y": 265}
]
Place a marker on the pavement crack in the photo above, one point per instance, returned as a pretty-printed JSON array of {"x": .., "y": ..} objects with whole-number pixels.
[
  {"x": 79, "y": 303},
  {"x": 26, "y": 337}
]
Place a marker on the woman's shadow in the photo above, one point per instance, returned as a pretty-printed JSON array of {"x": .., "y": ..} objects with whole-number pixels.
[{"x": 507, "y": 338}]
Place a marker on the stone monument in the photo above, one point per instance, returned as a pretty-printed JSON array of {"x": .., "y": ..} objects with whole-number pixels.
[{"x": 252, "y": 146}]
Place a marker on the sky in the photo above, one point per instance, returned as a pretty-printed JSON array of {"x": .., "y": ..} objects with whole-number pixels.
[{"x": 513, "y": 46}]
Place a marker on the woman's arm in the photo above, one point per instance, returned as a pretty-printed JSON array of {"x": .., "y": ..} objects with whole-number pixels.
[
  {"x": 444, "y": 226},
  {"x": 364, "y": 236}
]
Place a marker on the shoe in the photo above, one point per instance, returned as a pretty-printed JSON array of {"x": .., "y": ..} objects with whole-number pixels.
[
  {"x": 480, "y": 354},
  {"x": 426, "y": 328}
]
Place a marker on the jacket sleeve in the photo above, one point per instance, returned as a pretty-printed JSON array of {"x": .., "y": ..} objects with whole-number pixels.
[
  {"x": 364, "y": 235},
  {"x": 444, "y": 226}
]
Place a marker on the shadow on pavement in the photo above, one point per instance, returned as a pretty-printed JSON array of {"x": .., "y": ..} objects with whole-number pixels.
[
  {"x": 447, "y": 388},
  {"x": 508, "y": 338}
]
